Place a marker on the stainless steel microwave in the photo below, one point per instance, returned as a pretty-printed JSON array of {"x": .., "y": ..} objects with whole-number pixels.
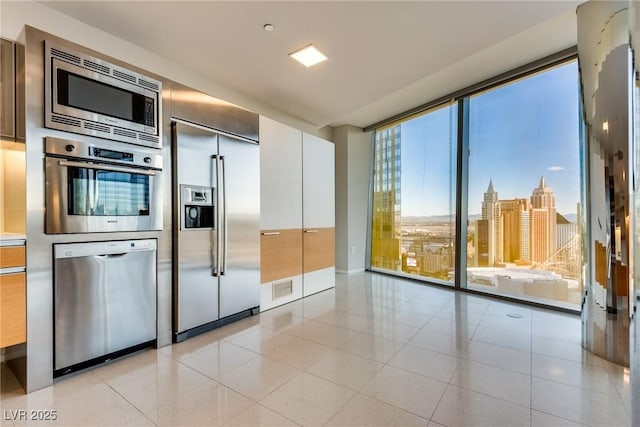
[{"x": 90, "y": 96}]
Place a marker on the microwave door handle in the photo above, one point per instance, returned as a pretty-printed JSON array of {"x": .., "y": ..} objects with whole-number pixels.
[
  {"x": 215, "y": 243},
  {"x": 106, "y": 167}
]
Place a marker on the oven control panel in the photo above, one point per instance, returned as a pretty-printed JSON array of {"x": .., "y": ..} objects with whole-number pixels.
[{"x": 108, "y": 152}]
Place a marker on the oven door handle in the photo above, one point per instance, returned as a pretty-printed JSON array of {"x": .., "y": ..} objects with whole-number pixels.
[{"x": 106, "y": 167}]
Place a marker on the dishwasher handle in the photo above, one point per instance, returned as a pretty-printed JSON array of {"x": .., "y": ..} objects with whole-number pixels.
[{"x": 120, "y": 255}]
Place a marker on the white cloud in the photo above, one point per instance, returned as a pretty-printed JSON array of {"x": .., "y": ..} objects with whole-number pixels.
[{"x": 555, "y": 168}]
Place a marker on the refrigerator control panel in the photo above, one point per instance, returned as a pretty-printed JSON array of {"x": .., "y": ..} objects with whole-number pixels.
[{"x": 196, "y": 195}]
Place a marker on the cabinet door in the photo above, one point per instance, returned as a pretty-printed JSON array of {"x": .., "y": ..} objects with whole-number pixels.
[
  {"x": 13, "y": 309},
  {"x": 280, "y": 213},
  {"x": 318, "y": 182},
  {"x": 280, "y": 176},
  {"x": 7, "y": 88},
  {"x": 318, "y": 214}
]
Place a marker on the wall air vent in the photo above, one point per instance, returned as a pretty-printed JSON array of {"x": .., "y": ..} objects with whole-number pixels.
[
  {"x": 64, "y": 120},
  {"x": 124, "y": 76},
  {"x": 95, "y": 126},
  {"x": 282, "y": 289},
  {"x": 148, "y": 85},
  {"x": 65, "y": 56},
  {"x": 96, "y": 67}
]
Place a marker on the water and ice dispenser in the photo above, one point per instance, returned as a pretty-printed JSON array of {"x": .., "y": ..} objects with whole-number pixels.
[{"x": 197, "y": 206}]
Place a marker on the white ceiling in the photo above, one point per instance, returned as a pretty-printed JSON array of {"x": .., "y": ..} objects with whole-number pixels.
[{"x": 385, "y": 56}]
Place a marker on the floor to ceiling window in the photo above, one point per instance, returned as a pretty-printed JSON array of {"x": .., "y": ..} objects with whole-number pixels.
[
  {"x": 413, "y": 209},
  {"x": 522, "y": 192},
  {"x": 524, "y": 188}
]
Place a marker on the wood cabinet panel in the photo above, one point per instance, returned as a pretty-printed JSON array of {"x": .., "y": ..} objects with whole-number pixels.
[
  {"x": 280, "y": 254},
  {"x": 13, "y": 313},
  {"x": 319, "y": 248},
  {"x": 12, "y": 256},
  {"x": 7, "y": 94}
]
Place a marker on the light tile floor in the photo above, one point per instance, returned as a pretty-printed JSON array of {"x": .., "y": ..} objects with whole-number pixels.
[{"x": 373, "y": 351}]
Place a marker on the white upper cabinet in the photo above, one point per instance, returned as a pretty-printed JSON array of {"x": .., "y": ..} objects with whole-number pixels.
[
  {"x": 281, "y": 176},
  {"x": 318, "y": 181}
]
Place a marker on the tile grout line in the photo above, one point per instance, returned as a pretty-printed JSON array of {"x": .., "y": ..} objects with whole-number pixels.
[{"x": 127, "y": 400}]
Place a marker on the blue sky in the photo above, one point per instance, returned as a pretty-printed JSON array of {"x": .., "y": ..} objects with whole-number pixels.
[{"x": 518, "y": 133}]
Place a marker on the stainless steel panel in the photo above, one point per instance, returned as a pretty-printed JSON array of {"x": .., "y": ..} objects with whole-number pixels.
[
  {"x": 205, "y": 110},
  {"x": 196, "y": 285},
  {"x": 38, "y": 364},
  {"x": 240, "y": 283},
  {"x": 104, "y": 298},
  {"x": 197, "y": 289}
]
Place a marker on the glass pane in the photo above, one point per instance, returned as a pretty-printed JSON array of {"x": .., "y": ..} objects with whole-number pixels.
[
  {"x": 524, "y": 188},
  {"x": 96, "y": 192},
  {"x": 413, "y": 228}
]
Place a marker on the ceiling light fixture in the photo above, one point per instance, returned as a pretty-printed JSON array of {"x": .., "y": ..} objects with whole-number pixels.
[
  {"x": 308, "y": 56},
  {"x": 268, "y": 28}
]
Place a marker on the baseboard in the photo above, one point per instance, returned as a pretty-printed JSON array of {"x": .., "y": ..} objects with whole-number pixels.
[
  {"x": 13, "y": 352},
  {"x": 357, "y": 270}
]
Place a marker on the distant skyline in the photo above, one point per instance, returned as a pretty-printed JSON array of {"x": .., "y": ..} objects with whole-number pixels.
[{"x": 512, "y": 142}]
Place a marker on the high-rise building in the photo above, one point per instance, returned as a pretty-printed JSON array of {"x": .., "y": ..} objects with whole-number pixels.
[
  {"x": 491, "y": 213},
  {"x": 543, "y": 222},
  {"x": 515, "y": 229},
  {"x": 385, "y": 229},
  {"x": 481, "y": 256},
  {"x": 566, "y": 231}
]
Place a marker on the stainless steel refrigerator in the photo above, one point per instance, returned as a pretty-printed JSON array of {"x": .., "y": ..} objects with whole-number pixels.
[{"x": 216, "y": 234}]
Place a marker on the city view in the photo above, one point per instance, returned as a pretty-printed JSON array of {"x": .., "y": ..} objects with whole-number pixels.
[
  {"x": 523, "y": 235},
  {"x": 517, "y": 246}
]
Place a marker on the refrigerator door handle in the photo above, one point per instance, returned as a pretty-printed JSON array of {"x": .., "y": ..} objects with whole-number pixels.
[
  {"x": 215, "y": 243},
  {"x": 223, "y": 266}
]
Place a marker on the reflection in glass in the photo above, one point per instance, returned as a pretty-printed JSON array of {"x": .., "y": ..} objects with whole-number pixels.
[
  {"x": 95, "y": 192},
  {"x": 413, "y": 218},
  {"x": 524, "y": 188}
]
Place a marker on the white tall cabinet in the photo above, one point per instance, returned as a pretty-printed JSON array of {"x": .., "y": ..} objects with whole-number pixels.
[
  {"x": 280, "y": 214},
  {"x": 297, "y": 214},
  {"x": 318, "y": 214}
]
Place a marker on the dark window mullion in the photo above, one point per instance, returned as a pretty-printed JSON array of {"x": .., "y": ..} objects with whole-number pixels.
[{"x": 462, "y": 180}]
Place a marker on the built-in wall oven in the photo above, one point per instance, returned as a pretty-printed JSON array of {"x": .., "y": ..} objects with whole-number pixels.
[{"x": 101, "y": 186}]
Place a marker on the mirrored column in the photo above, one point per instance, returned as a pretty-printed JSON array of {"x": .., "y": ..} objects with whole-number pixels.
[{"x": 606, "y": 73}]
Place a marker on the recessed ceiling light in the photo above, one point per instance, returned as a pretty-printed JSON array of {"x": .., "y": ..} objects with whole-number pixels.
[
  {"x": 308, "y": 56},
  {"x": 268, "y": 27}
]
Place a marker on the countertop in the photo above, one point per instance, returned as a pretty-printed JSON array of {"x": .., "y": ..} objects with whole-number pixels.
[{"x": 12, "y": 239}]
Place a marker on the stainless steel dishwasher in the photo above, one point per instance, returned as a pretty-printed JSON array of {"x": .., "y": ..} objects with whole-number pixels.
[{"x": 104, "y": 301}]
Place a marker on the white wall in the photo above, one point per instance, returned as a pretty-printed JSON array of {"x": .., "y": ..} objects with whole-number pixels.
[
  {"x": 341, "y": 141},
  {"x": 359, "y": 166},
  {"x": 15, "y": 14},
  {"x": 353, "y": 154}
]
